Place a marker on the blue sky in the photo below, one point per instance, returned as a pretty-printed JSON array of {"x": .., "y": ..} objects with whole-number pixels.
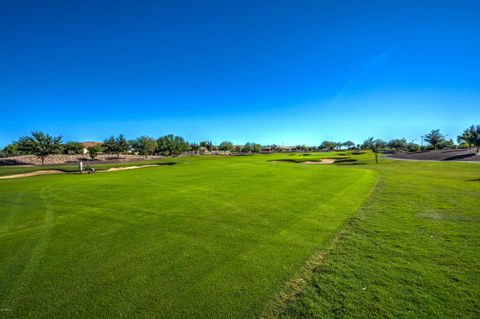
[{"x": 283, "y": 72}]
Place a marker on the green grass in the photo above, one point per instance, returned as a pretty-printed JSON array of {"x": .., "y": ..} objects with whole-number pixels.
[
  {"x": 208, "y": 237},
  {"x": 222, "y": 237},
  {"x": 413, "y": 251}
]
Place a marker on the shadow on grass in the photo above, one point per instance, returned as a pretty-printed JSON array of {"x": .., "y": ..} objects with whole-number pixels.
[
  {"x": 345, "y": 160},
  {"x": 459, "y": 157}
]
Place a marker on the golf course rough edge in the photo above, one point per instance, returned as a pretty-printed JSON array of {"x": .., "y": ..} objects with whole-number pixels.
[
  {"x": 35, "y": 173},
  {"x": 299, "y": 281},
  {"x": 56, "y": 171}
]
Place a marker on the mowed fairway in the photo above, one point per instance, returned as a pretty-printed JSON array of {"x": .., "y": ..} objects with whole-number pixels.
[
  {"x": 413, "y": 250},
  {"x": 207, "y": 237}
]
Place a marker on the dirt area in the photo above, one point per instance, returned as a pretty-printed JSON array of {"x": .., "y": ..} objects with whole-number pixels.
[
  {"x": 44, "y": 172},
  {"x": 439, "y": 155}
]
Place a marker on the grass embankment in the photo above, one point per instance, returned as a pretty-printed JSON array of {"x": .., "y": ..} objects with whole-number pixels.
[
  {"x": 412, "y": 252},
  {"x": 209, "y": 237}
]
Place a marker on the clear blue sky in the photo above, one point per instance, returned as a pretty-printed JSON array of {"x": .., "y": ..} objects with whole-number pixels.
[{"x": 283, "y": 72}]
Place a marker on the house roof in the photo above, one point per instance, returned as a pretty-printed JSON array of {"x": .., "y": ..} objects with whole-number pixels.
[{"x": 90, "y": 144}]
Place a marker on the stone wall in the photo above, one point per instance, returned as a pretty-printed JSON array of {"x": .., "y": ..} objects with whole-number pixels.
[{"x": 73, "y": 159}]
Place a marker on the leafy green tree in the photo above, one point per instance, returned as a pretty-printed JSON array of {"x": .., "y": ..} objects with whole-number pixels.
[
  {"x": 116, "y": 145},
  {"x": 110, "y": 145},
  {"x": 172, "y": 145},
  {"x": 413, "y": 147},
  {"x": 226, "y": 146},
  {"x": 195, "y": 147},
  {"x": 474, "y": 136},
  {"x": 145, "y": 145},
  {"x": 10, "y": 150},
  {"x": 207, "y": 144},
  {"x": 72, "y": 148},
  {"x": 40, "y": 145},
  {"x": 470, "y": 137},
  {"x": 252, "y": 148},
  {"x": 446, "y": 144},
  {"x": 94, "y": 150},
  {"x": 434, "y": 138},
  {"x": 375, "y": 145},
  {"x": 328, "y": 145},
  {"x": 397, "y": 144},
  {"x": 348, "y": 144}
]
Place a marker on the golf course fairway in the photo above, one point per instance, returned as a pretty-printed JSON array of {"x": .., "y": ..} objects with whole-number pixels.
[{"x": 222, "y": 237}]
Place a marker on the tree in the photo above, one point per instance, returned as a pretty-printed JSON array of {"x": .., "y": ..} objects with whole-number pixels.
[
  {"x": 434, "y": 138},
  {"x": 72, "y": 148},
  {"x": 446, "y": 144},
  {"x": 472, "y": 136},
  {"x": 207, "y": 144},
  {"x": 94, "y": 150},
  {"x": 10, "y": 150},
  {"x": 195, "y": 147},
  {"x": 172, "y": 145},
  {"x": 252, "y": 148},
  {"x": 40, "y": 145},
  {"x": 110, "y": 145},
  {"x": 348, "y": 144},
  {"x": 413, "y": 147},
  {"x": 145, "y": 145},
  {"x": 374, "y": 145},
  {"x": 116, "y": 145},
  {"x": 397, "y": 144},
  {"x": 226, "y": 146},
  {"x": 328, "y": 145},
  {"x": 476, "y": 136}
]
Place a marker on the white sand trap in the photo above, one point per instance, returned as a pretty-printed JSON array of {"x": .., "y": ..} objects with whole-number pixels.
[
  {"x": 44, "y": 172},
  {"x": 127, "y": 167},
  {"x": 323, "y": 161}
]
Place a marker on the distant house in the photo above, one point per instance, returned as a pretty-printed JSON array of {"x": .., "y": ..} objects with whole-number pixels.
[
  {"x": 281, "y": 148},
  {"x": 277, "y": 148},
  {"x": 86, "y": 145}
]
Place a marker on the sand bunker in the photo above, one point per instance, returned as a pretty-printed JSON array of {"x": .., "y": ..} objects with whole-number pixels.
[
  {"x": 45, "y": 172},
  {"x": 127, "y": 167},
  {"x": 323, "y": 161},
  {"x": 316, "y": 162}
]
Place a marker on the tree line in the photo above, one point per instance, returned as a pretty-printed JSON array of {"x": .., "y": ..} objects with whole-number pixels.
[{"x": 43, "y": 145}]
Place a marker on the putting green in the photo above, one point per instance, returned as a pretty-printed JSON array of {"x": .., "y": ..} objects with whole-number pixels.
[{"x": 207, "y": 237}]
